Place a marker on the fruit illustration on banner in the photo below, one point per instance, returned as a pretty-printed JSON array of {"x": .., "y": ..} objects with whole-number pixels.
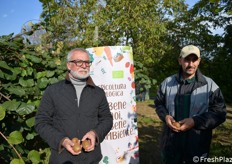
[
  {"x": 118, "y": 57},
  {"x": 98, "y": 51},
  {"x": 109, "y": 55}
]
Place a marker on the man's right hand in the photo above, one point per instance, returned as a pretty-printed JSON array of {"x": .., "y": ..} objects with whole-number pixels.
[
  {"x": 169, "y": 121},
  {"x": 68, "y": 144}
]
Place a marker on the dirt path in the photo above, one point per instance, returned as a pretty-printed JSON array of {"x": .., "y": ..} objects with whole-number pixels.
[{"x": 149, "y": 129}]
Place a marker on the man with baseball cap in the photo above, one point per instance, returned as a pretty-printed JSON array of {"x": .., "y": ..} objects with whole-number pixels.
[{"x": 191, "y": 105}]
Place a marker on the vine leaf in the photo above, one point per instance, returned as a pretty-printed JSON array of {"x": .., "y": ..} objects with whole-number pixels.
[
  {"x": 25, "y": 109},
  {"x": 15, "y": 138},
  {"x": 34, "y": 156},
  {"x": 30, "y": 122},
  {"x": 17, "y": 161}
]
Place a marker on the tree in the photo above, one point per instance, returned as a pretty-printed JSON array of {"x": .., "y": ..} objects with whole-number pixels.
[
  {"x": 196, "y": 26},
  {"x": 99, "y": 23}
]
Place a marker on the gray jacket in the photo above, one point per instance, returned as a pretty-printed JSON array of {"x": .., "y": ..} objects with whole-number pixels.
[{"x": 59, "y": 116}]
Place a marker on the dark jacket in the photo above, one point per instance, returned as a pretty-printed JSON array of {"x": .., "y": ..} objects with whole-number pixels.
[
  {"x": 207, "y": 108},
  {"x": 59, "y": 116}
]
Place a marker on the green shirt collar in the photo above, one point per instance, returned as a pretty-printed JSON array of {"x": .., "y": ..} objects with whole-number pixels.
[{"x": 188, "y": 81}]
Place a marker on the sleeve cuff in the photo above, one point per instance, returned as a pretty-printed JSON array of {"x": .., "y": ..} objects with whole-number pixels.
[{"x": 61, "y": 148}]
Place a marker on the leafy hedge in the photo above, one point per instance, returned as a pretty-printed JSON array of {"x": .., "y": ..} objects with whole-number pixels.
[{"x": 25, "y": 72}]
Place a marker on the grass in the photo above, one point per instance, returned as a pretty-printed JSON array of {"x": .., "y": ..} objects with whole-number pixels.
[{"x": 150, "y": 129}]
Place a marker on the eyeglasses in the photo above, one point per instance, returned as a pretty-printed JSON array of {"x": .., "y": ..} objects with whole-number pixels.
[{"x": 79, "y": 63}]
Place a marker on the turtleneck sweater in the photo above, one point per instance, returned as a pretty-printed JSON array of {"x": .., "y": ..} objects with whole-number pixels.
[{"x": 79, "y": 85}]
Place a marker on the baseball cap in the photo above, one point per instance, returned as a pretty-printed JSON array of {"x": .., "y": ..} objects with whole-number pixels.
[{"x": 190, "y": 49}]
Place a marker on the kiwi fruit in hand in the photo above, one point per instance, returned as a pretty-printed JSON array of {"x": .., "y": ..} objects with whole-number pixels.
[
  {"x": 75, "y": 140},
  {"x": 176, "y": 124},
  {"x": 76, "y": 147},
  {"x": 86, "y": 144}
]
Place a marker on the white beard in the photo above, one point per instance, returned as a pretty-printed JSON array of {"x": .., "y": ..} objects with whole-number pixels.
[{"x": 76, "y": 75}]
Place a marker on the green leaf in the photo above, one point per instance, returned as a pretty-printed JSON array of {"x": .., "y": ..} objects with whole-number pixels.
[
  {"x": 154, "y": 81},
  {"x": 3, "y": 64},
  {"x": 2, "y": 113},
  {"x": 33, "y": 58},
  {"x": 49, "y": 73},
  {"x": 6, "y": 72},
  {"x": 26, "y": 83},
  {"x": 25, "y": 109},
  {"x": 29, "y": 71},
  {"x": 11, "y": 105},
  {"x": 24, "y": 73},
  {"x": 17, "y": 161},
  {"x": 53, "y": 80},
  {"x": 40, "y": 75},
  {"x": 52, "y": 64},
  {"x": 30, "y": 122},
  {"x": 24, "y": 62},
  {"x": 42, "y": 83},
  {"x": 17, "y": 91},
  {"x": 16, "y": 70},
  {"x": 36, "y": 103},
  {"x": 34, "y": 156},
  {"x": 30, "y": 136},
  {"x": 15, "y": 138}
]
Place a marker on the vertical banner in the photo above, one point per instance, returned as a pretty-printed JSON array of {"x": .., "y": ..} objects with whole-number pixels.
[{"x": 113, "y": 71}]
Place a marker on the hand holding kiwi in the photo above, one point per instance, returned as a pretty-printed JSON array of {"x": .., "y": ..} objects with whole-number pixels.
[
  {"x": 76, "y": 147},
  {"x": 86, "y": 144},
  {"x": 176, "y": 124}
]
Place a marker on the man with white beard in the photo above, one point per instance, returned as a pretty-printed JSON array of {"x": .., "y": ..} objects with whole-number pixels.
[{"x": 74, "y": 108}]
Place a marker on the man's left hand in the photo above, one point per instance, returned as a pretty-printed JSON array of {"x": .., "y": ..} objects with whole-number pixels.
[
  {"x": 92, "y": 137},
  {"x": 186, "y": 124}
]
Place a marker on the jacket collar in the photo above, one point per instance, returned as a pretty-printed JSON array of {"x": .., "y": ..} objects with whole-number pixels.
[{"x": 89, "y": 80}]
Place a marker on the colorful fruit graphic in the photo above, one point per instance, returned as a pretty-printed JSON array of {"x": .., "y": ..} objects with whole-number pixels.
[
  {"x": 109, "y": 55},
  {"x": 98, "y": 50},
  {"x": 131, "y": 68},
  {"x": 133, "y": 84},
  {"x": 127, "y": 64},
  {"x": 118, "y": 57}
]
